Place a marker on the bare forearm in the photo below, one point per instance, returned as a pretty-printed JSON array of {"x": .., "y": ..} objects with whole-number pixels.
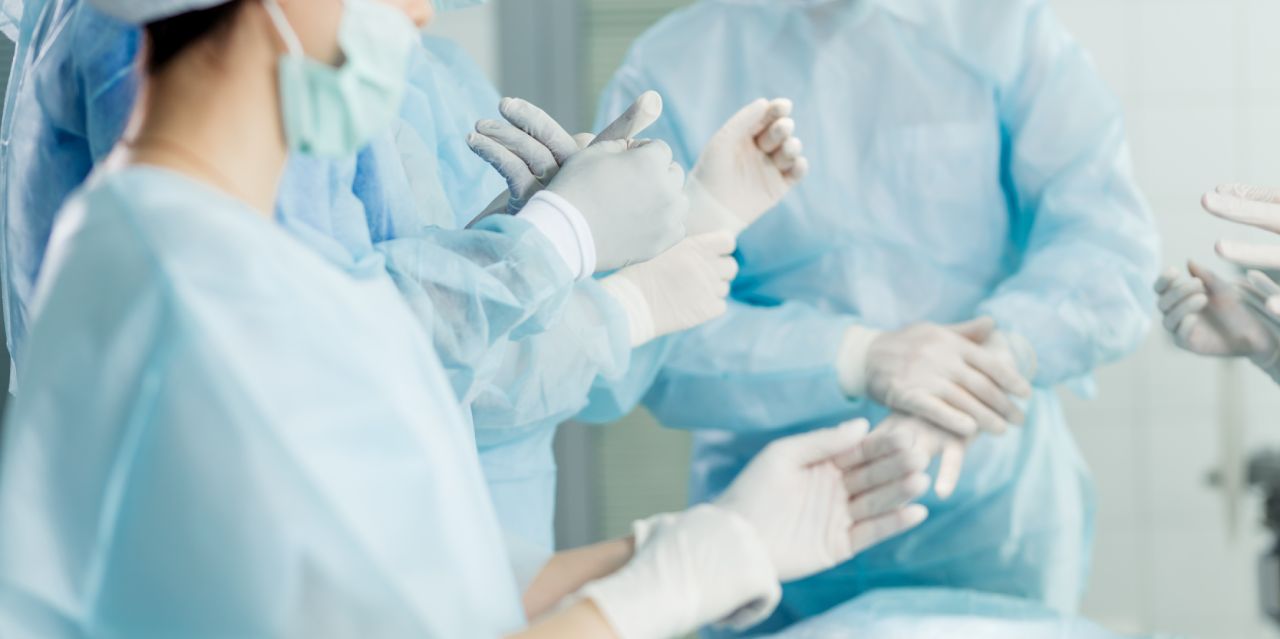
[
  {"x": 569, "y": 571},
  {"x": 580, "y": 621}
]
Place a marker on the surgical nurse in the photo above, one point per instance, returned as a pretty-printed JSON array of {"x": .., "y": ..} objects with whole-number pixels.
[
  {"x": 970, "y": 173},
  {"x": 521, "y": 339},
  {"x": 223, "y": 432}
]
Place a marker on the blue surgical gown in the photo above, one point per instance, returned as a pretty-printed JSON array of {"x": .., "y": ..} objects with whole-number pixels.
[
  {"x": 494, "y": 299},
  {"x": 967, "y": 160},
  {"x": 222, "y": 433},
  {"x": 934, "y": 613}
]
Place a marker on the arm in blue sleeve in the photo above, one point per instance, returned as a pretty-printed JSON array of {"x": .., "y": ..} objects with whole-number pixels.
[
  {"x": 1081, "y": 296},
  {"x": 545, "y": 378},
  {"x": 754, "y": 369},
  {"x": 477, "y": 288}
]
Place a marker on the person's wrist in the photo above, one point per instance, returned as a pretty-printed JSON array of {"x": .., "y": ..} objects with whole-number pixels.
[
  {"x": 704, "y": 565},
  {"x": 851, "y": 359},
  {"x": 557, "y": 219},
  {"x": 707, "y": 213}
]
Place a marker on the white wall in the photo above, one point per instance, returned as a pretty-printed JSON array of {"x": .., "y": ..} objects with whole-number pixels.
[
  {"x": 1201, "y": 87},
  {"x": 476, "y": 30}
]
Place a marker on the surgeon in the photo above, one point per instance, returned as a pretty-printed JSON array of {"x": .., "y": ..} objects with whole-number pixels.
[
  {"x": 521, "y": 348},
  {"x": 1210, "y": 315},
  {"x": 222, "y": 432},
  {"x": 971, "y": 211}
]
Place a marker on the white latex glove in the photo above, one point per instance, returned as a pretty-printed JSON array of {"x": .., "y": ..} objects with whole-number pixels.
[
  {"x": 819, "y": 498},
  {"x": 631, "y": 197},
  {"x": 746, "y": 169},
  {"x": 1208, "y": 316},
  {"x": 1252, "y": 206},
  {"x": 947, "y": 375},
  {"x": 528, "y": 147},
  {"x": 803, "y": 505},
  {"x": 701, "y": 566},
  {"x": 1263, "y": 294},
  {"x": 932, "y": 441},
  {"x": 677, "y": 290}
]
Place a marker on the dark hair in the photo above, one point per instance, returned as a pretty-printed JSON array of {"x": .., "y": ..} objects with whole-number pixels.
[{"x": 171, "y": 36}]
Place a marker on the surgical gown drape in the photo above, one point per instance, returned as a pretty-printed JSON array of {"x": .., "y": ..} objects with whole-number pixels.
[{"x": 967, "y": 160}]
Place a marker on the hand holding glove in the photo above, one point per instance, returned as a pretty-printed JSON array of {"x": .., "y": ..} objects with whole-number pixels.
[
  {"x": 746, "y": 169},
  {"x": 629, "y": 193},
  {"x": 528, "y": 147},
  {"x": 677, "y": 290},
  {"x": 805, "y": 504}
]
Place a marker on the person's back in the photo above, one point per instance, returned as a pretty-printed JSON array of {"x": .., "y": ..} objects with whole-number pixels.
[
  {"x": 262, "y": 438},
  {"x": 967, "y": 162}
]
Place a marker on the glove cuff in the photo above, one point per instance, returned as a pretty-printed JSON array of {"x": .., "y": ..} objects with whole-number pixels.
[
  {"x": 706, "y": 213},
  {"x": 634, "y": 305},
  {"x": 699, "y": 566},
  {"x": 562, "y": 223},
  {"x": 851, "y": 359}
]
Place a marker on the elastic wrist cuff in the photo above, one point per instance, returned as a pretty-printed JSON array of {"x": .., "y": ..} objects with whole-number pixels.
[
  {"x": 561, "y": 223},
  {"x": 851, "y": 359},
  {"x": 739, "y": 533},
  {"x": 634, "y": 305}
]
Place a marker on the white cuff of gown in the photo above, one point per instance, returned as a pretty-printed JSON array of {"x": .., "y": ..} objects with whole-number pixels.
[
  {"x": 851, "y": 360},
  {"x": 560, "y": 222}
]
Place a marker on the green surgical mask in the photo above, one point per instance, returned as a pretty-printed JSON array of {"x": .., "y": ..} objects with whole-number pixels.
[{"x": 334, "y": 112}]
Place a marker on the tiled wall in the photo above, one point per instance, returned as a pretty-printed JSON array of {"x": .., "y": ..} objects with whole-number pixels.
[{"x": 1200, "y": 82}]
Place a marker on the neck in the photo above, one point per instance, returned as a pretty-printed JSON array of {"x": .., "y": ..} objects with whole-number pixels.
[{"x": 214, "y": 116}]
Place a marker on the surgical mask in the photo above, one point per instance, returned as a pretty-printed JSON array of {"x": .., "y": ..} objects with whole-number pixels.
[
  {"x": 334, "y": 112},
  {"x": 453, "y": 5}
]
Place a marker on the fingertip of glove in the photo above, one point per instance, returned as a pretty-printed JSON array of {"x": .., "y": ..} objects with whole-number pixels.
[
  {"x": 914, "y": 514},
  {"x": 780, "y": 107},
  {"x": 856, "y": 428}
]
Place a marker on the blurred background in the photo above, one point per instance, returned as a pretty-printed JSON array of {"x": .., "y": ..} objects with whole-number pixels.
[{"x": 1200, "y": 81}]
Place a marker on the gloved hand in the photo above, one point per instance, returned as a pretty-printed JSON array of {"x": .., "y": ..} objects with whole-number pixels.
[
  {"x": 932, "y": 441},
  {"x": 631, "y": 196},
  {"x": 1253, "y": 206},
  {"x": 677, "y": 290},
  {"x": 1208, "y": 316},
  {"x": 529, "y": 147},
  {"x": 820, "y": 498},
  {"x": 746, "y": 169},
  {"x": 804, "y": 504},
  {"x": 1263, "y": 294},
  {"x": 947, "y": 375}
]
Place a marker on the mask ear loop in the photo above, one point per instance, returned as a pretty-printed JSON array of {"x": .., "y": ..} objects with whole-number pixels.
[{"x": 291, "y": 41}]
